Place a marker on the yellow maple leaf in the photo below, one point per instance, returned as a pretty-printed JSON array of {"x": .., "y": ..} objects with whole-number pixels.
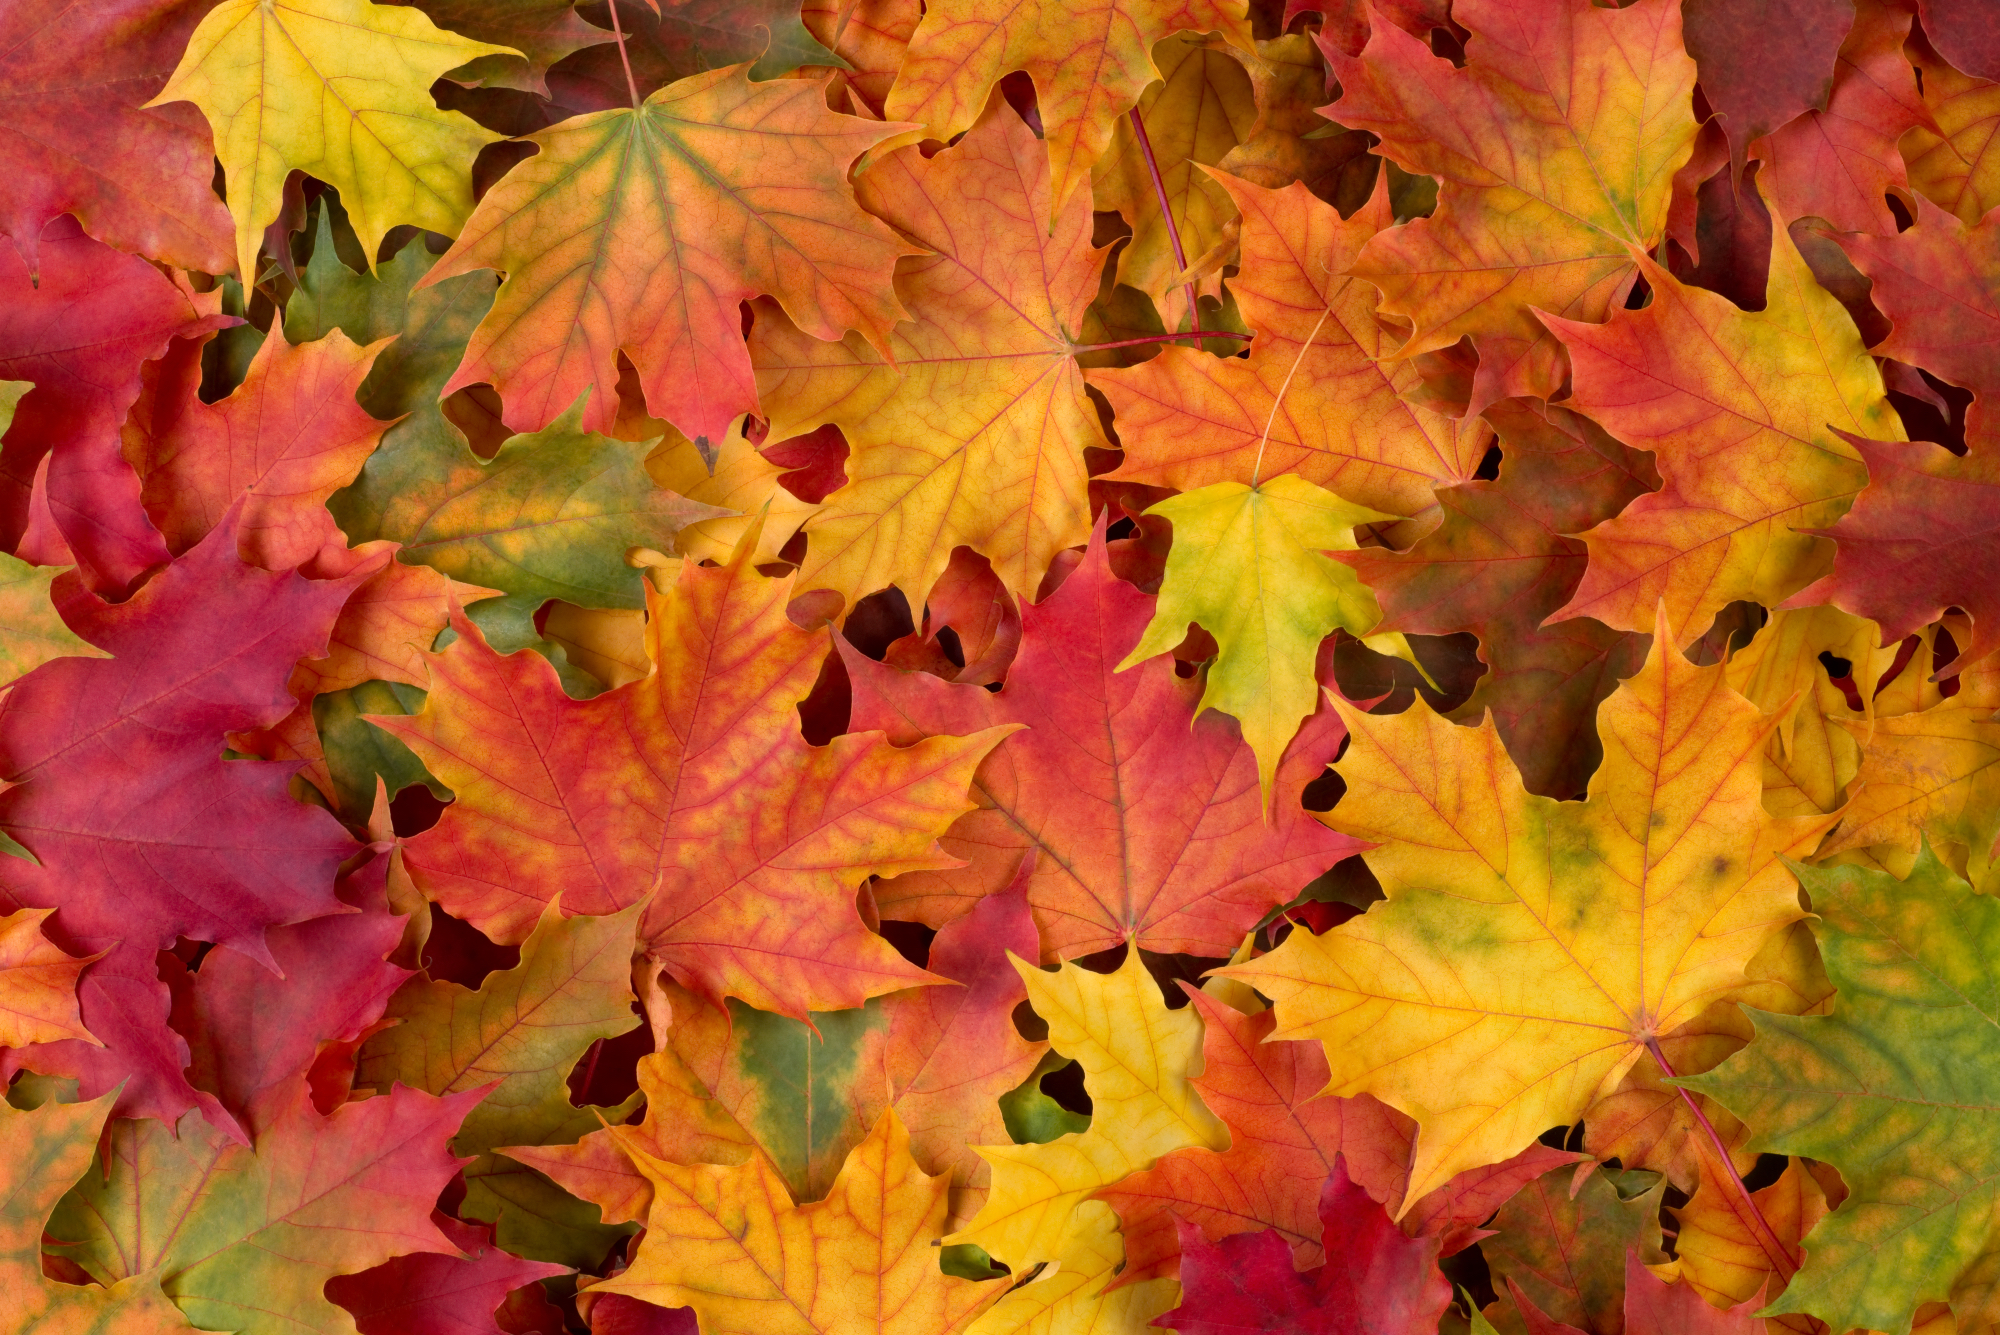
[
  {"x": 1530, "y": 950},
  {"x": 1135, "y": 1055},
  {"x": 1089, "y": 60},
  {"x": 973, "y": 432},
  {"x": 1070, "y": 1296},
  {"x": 1812, "y": 758},
  {"x": 728, "y": 1242},
  {"x": 1246, "y": 566},
  {"x": 339, "y": 89},
  {"x": 1203, "y": 108}
]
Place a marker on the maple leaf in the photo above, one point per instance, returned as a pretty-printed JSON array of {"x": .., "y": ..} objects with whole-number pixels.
[
  {"x": 737, "y": 479},
  {"x": 1290, "y": 141},
  {"x": 429, "y": 1293},
  {"x": 551, "y": 515},
  {"x": 1135, "y": 1055},
  {"x": 1374, "y": 1279},
  {"x": 535, "y": 33},
  {"x": 1939, "y": 283},
  {"x": 1248, "y": 566},
  {"x": 1313, "y": 398},
  {"x": 729, "y": 1243},
  {"x": 1653, "y": 1306},
  {"x": 1547, "y": 190},
  {"x": 34, "y": 632},
  {"x": 968, "y": 428},
  {"x": 1623, "y": 917},
  {"x": 1283, "y": 1141},
  {"x": 243, "y": 1239},
  {"x": 872, "y": 36},
  {"x": 1920, "y": 538},
  {"x": 518, "y": 1035},
  {"x": 642, "y": 229},
  {"x": 1089, "y": 63},
  {"x": 1946, "y": 149},
  {"x": 1890, "y": 1089},
  {"x": 41, "y": 1154},
  {"x": 286, "y": 439},
  {"x": 1740, "y": 409},
  {"x": 80, "y": 334},
  {"x": 253, "y": 1034},
  {"x": 1718, "y": 1252},
  {"x": 1839, "y": 163},
  {"x": 1203, "y": 108},
  {"x": 37, "y": 984},
  {"x": 1146, "y": 820},
  {"x": 680, "y": 38},
  {"x": 75, "y": 140},
  {"x": 1929, "y": 773},
  {"x": 1756, "y": 85},
  {"x": 743, "y": 818},
  {"x": 1550, "y": 1241},
  {"x": 143, "y": 833},
  {"x": 1499, "y": 565},
  {"x": 262, "y": 72}
]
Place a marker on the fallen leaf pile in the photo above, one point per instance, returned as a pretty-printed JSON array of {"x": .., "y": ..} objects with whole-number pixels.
[{"x": 999, "y": 667}]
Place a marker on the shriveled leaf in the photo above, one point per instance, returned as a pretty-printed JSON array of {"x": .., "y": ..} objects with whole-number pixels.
[
  {"x": 338, "y": 89},
  {"x": 1089, "y": 63},
  {"x": 642, "y": 229},
  {"x": 969, "y": 427},
  {"x": 1548, "y": 189},
  {"x": 1596, "y": 926},
  {"x": 1248, "y": 567},
  {"x": 1313, "y": 398},
  {"x": 1158, "y": 837}
]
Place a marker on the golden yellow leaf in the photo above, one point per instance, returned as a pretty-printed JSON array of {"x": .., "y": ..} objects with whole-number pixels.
[
  {"x": 728, "y": 1242},
  {"x": 1529, "y": 949},
  {"x": 1135, "y": 1055},
  {"x": 340, "y": 90}
]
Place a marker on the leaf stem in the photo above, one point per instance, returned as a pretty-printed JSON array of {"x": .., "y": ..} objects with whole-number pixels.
[
  {"x": 1780, "y": 1257},
  {"x": 1166, "y": 211},
  {"x": 631, "y": 84},
  {"x": 1276, "y": 403},
  {"x": 1156, "y": 338}
]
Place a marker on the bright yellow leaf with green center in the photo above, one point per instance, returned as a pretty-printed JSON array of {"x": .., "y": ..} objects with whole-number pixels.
[
  {"x": 1246, "y": 567},
  {"x": 1530, "y": 949},
  {"x": 1135, "y": 1055},
  {"x": 340, "y": 90},
  {"x": 729, "y": 1243}
]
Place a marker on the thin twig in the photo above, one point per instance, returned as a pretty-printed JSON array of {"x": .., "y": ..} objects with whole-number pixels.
[
  {"x": 1780, "y": 1257},
  {"x": 631, "y": 84},
  {"x": 1257, "y": 467},
  {"x": 1166, "y": 211},
  {"x": 1156, "y": 338}
]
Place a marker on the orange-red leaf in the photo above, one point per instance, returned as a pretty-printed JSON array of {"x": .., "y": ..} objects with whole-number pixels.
[{"x": 693, "y": 785}]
